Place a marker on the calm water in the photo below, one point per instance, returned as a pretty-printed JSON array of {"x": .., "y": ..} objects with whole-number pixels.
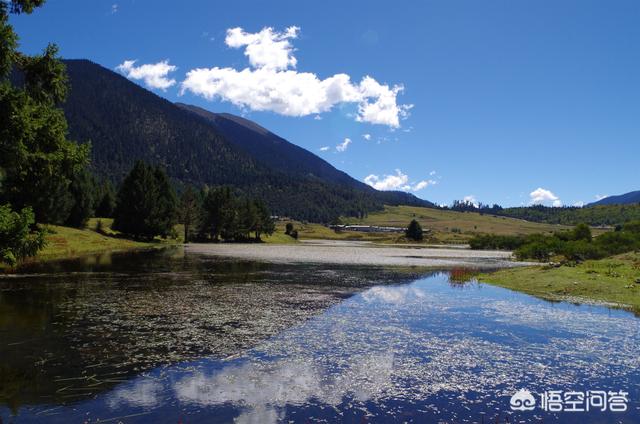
[{"x": 175, "y": 337}]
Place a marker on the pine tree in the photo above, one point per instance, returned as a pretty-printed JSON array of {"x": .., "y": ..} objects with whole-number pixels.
[
  {"x": 82, "y": 190},
  {"x": 146, "y": 203},
  {"x": 265, "y": 224},
  {"x": 189, "y": 211},
  {"x": 414, "y": 231},
  {"x": 106, "y": 201},
  {"x": 36, "y": 159}
]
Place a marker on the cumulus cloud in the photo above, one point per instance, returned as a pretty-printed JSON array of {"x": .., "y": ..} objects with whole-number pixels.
[
  {"x": 397, "y": 181},
  {"x": 265, "y": 49},
  {"x": 154, "y": 75},
  {"x": 324, "y": 148},
  {"x": 273, "y": 84},
  {"x": 601, "y": 196},
  {"x": 343, "y": 146},
  {"x": 579, "y": 204},
  {"x": 114, "y": 8},
  {"x": 542, "y": 196},
  {"x": 366, "y": 136}
]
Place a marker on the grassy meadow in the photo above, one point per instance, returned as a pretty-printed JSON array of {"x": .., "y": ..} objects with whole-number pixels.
[
  {"x": 614, "y": 281},
  {"x": 444, "y": 226},
  {"x": 65, "y": 242}
]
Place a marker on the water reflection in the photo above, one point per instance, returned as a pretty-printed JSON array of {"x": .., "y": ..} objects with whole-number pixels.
[
  {"x": 416, "y": 349},
  {"x": 75, "y": 328}
]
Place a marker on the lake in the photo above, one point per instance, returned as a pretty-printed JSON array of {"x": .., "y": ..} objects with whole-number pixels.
[{"x": 183, "y": 336}]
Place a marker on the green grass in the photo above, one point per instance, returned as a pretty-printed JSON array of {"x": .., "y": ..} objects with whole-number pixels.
[
  {"x": 65, "y": 242},
  {"x": 610, "y": 281},
  {"x": 319, "y": 231},
  {"x": 444, "y": 226},
  {"x": 453, "y": 227}
]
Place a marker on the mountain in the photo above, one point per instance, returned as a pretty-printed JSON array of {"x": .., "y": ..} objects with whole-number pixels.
[
  {"x": 621, "y": 199},
  {"x": 124, "y": 123},
  {"x": 271, "y": 149}
]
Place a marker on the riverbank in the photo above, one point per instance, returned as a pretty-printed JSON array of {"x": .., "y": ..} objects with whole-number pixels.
[
  {"x": 610, "y": 281},
  {"x": 359, "y": 253}
]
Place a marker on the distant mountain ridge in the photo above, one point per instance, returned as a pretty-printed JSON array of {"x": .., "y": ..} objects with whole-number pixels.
[
  {"x": 621, "y": 199},
  {"x": 124, "y": 123}
]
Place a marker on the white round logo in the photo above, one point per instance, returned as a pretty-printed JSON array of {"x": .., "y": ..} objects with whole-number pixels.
[{"x": 523, "y": 400}]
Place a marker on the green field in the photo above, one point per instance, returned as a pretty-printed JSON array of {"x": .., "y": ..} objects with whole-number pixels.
[
  {"x": 610, "y": 281},
  {"x": 65, "y": 242},
  {"x": 450, "y": 226}
]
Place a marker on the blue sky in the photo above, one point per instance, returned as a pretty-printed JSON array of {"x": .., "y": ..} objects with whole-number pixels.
[{"x": 498, "y": 99}]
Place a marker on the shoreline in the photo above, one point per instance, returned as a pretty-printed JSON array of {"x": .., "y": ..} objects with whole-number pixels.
[
  {"x": 612, "y": 282},
  {"x": 359, "y": 253}
]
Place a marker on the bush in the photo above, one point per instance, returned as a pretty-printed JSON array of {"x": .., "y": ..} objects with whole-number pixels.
[
  {"x": 288, "y": 228},
  {"x": 17, "y": 241},
  {"x": 496, "y": 242},
  {"x": 414, "y": 231},
  {"x": 538, "y": 250},
  {"x": 581, "y": 250}
]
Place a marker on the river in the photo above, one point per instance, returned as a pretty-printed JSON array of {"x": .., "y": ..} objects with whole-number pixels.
[{"x": 186, "y": 336}]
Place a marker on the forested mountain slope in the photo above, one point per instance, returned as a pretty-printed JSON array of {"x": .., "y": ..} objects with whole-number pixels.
[{"x": 124, "y": 123}]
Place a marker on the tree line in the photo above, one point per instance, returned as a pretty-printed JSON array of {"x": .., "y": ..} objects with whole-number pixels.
[
  {"x": 597, "y": 215},
  {"x": 148, "y": 206}
]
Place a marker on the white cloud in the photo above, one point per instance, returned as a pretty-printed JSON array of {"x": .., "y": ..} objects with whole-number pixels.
[
  {"x": 267, "y": 49},
  {"x": 114, "y": 8},
  {"x": 542, "y": 196},
  {"x": 343, "y": 146},
  {"x": 324, "y": 148},
  {"x": 154, "y": 75},
  {"x": 397, "y": 181},
  {"x": 421, "y": 184},
  {"x": 579, "y": 204},
  {"x": 318, "y": 118},
  {"x": 432, "y": 173},
  {"x": 273, "y": 84},
  {"x": 366, "y": 136},
  {"x": 601, "y": 196}
]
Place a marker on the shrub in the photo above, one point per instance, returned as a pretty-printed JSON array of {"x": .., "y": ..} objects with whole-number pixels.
[
  {"x": 288, "y": 228},
  {"x": 414, "y": 231},
  {"x": 17, "y": 241},
  {"x": 496, "y": 242}
]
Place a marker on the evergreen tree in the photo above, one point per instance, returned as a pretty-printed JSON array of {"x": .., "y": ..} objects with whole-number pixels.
[
  {"x": 414, "y": 231},
  {"x": 37, "y": 160},
  {"x": 247, "y": 220},
  {"x": 82, "y": 190},
  {"x": 214, "y": 209},
  {"x": 146, "y": 203},
  {"x": 189, "y": 211},
  {"x": 106, "y": 201},
  {"x": 265, "y": 224}
]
